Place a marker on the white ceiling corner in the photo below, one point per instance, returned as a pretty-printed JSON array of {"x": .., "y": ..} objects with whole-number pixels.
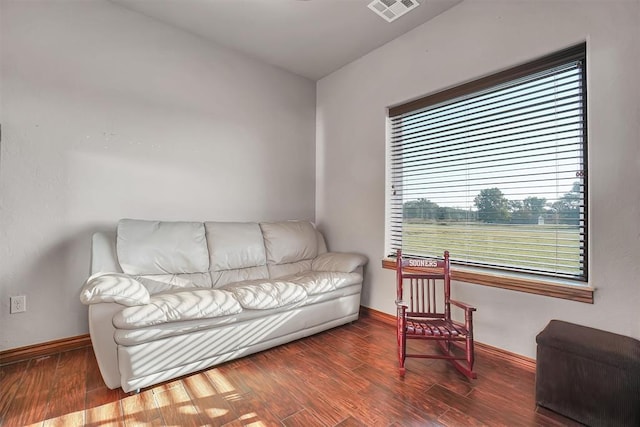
[{"x": 311, "y": 38}]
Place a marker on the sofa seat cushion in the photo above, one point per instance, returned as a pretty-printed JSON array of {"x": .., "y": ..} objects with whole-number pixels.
[
  {"x": 278, "y": 271},
  {"x": 318, "y": 282},
  {"x": 129, "y": 337},
  {"x": 224, "y": 277},
  {"x": 266, "y": 294},
  {"x": 140, "y": 335},
  {"x": 178, "y": 306}
]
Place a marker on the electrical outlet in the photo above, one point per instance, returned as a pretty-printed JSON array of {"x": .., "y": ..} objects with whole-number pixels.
[{"x": 18, "y": 304}]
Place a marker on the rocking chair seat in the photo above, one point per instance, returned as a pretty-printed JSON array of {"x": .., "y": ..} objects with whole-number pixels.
[{"x": 436, "y": 328}]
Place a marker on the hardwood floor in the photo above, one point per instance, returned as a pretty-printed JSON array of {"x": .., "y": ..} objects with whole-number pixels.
[{"x": 343, "y": 377}]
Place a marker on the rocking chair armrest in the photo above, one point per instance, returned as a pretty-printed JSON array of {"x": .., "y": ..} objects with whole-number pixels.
[
  {"x": 401, "y": 303},
  {"x": 466, "y": 307}
]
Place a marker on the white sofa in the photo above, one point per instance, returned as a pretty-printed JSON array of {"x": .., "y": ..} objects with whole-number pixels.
[{"x": 170, "y": 298}]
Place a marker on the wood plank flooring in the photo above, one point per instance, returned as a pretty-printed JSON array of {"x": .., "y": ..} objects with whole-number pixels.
[{"x": 344, "y": 377}]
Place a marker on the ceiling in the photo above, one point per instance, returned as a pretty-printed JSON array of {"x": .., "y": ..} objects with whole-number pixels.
[{"x": 311, "y": 38}]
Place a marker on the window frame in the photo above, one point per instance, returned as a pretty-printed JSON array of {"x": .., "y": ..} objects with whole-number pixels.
[{"x": 576, "y": 290}]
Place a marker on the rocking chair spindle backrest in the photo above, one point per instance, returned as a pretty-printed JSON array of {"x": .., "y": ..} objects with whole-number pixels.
[{"x": 427, "y": 283}]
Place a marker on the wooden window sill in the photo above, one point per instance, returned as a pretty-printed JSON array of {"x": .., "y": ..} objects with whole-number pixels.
[{"x": 515, "y": 283}]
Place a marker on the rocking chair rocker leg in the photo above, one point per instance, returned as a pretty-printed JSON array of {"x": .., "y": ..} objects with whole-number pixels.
[
  {"x": 445, "y": 347},
  {"x": 401, "y": 369},
  {"x": 464, "y": 370},
  {"x": 468, "y": 369},
  {"x": 402, "y": 356},
  {"x": 470, "y": 353}
]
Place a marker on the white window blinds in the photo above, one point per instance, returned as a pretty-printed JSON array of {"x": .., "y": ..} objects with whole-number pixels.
[{"x": 494, "y": 171}]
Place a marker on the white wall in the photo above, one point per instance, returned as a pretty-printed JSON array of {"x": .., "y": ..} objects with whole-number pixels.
[
  {"x": 471, "y": 40},
  {"x": 109, "y": 114}
]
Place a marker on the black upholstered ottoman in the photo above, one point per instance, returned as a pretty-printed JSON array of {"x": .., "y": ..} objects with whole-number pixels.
[{"x": 589, "y": 375}]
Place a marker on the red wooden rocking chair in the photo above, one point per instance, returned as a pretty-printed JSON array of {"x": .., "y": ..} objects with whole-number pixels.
[{"x": 427, "y": 314}]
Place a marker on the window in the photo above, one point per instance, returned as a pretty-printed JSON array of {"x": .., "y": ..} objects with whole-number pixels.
[{"x": 495, "y": 171}]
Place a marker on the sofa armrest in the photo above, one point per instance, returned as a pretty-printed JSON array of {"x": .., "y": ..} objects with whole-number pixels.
[
  {"x": 114, "y": 287},
  {"x": 339, "y": 262}
]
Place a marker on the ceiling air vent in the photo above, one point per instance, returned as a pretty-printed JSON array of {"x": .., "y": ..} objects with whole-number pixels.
[{"x": 391, "y": 10}]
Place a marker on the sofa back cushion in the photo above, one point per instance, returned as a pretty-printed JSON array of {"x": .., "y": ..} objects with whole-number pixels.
[
  {"x": 161, "y": 247},
  {"x": 322, "y": 244},
  {"x": 236, "y": 252},
  {"x": 289, "y": 241},
  {"x": 234, "y": 245}
]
